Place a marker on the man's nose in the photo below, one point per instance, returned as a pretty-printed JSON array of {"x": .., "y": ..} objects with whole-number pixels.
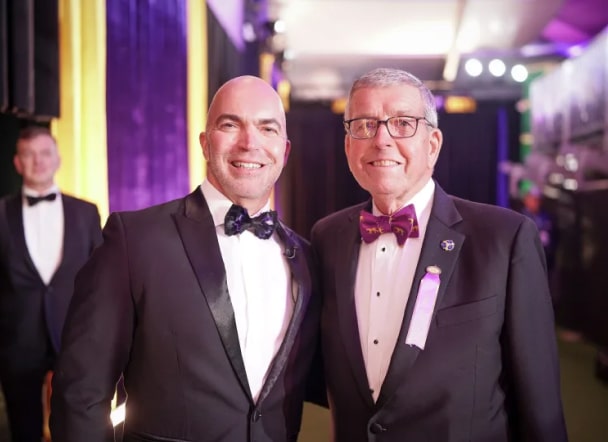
[
  {"x": 250, "y": 137},
  {"x": 383, "y": 137}
]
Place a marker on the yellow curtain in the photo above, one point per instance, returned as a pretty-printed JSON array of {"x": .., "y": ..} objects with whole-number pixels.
[
  {"x": 197, "y": 87},
  {"x": 81, "y": 128}
]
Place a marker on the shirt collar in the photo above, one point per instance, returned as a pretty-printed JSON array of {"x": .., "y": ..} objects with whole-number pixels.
[
  {"x": 218, "y": 203},
  {"x": 31, "y": 192}
]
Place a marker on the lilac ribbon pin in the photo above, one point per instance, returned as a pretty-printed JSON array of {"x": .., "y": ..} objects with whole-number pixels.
[{"x": 423, "y": 309}]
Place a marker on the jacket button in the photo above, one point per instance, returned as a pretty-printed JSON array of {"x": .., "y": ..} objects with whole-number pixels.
[
  {"x": 257, "y": 414},
  {"x": 376, "y": 428}
]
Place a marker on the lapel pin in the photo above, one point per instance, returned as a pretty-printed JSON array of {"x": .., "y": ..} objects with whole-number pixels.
[
  {"x": 447, "y": 245},
  {"x": 434, "y": 270}
]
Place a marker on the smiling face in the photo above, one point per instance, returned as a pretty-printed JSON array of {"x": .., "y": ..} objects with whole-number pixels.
[
  {"x": 391, "y": 169},
  {"x": 245, "y": 143},
  {"x": 37, "y": 160}
]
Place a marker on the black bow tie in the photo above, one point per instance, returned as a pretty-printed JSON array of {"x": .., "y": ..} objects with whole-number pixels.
[
  {"x": 237, "y": 220},
  {"x": 33, "y": 200}
]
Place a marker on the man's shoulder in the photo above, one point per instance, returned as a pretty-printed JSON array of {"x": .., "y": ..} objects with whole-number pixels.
[
  {"x": 9, "y": 200},
  {"x": 476, "y": 210},
  {"x": 156, "y": 211},
  {"x": 81, "y": 202},
  {"x": 5, "y": 199},
  {"x": 338, "y": 218},
  {"x": 495, "y": 220}
]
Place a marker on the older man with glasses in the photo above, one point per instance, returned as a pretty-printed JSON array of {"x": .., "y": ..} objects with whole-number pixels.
[{"x": 437, "y": 322}]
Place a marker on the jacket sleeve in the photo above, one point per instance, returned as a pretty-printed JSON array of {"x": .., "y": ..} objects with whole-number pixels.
[
  {"x": 531, "y": 360},
  {"x": 95, "y": 343}
]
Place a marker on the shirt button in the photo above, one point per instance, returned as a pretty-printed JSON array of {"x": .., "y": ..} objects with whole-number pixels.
[{"x": 375, "y": 341}]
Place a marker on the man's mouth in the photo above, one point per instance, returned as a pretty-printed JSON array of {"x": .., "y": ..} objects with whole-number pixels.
[
  {"x": 243, "y": 165},
  {"x": 383, "y": 163}
]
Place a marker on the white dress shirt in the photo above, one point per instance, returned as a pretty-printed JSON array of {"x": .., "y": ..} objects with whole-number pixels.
[
  {"x": 385, "y": 273},
  {"x": 259, "y": 283},
  {"x": 44, "y": 229}
]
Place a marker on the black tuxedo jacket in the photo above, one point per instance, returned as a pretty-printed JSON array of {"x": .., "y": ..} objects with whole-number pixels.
[
  {"x": 153, "y": 303},
  {"x": 489, "y": 370},
  {"x": 32, "y": 313}
]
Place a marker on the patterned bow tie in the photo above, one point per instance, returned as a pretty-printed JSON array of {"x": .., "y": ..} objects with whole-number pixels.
[
  {"x": 33, "y": 200},
  {"x": 237, "y": 220},
  {"x": 403, "y": 224}
]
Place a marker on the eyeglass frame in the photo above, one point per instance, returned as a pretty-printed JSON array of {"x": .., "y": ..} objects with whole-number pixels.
[{"x": 385, "y": 122}]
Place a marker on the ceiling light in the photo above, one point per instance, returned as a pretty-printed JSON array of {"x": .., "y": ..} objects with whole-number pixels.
[
  {"x": 279, "y": 26},
  {"x": 249, "y": 32},
  {"x": 289, "y": 54},
  {"x": 519, "y": 73},
  {"x": 497, "y": 67},
  {"x": 473, "y": 67}
]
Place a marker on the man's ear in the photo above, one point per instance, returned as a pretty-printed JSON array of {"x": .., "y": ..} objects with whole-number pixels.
[
  {"x": 17, "y": 164},
  {"x": 287, "y": 151},
  {"x": 202, "y": 139},
  {"x": 435, "y": 143},
  {"x": 346, "y": 144}
]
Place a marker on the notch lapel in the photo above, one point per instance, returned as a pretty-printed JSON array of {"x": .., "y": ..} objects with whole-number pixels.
[
  {"x": 14, "y": 215},
  {"x": 444, "y": 215},
  {"x": 71, "y": 230},
  {"x": 197, "y": 231},
  {"x": 347, "y": 246}
]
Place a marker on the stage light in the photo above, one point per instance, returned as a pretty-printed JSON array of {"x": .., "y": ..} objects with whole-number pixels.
[
  {"x": 279, "y": 26},
  {"x": 249, "y": 34},
  {"x": 519, "y": 73},
  {"x": 473, "y": 67},
  {"x": 497, "y": 67}
]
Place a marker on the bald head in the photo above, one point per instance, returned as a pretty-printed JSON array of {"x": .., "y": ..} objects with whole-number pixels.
[{"x": 246, "y": 89}]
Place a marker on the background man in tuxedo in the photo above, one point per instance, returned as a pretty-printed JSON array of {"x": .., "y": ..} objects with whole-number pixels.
[
  {"x": 209, "y": 314},
  {"x": 45, "y": 237},
  {"x": 437, "y": 322}
]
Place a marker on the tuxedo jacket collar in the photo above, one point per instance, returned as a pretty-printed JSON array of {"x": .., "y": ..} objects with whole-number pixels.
[
  {"x": 197, "y": 230},
  {"x": 14, "y": 214},
  {"x": 444, "y": 217}
]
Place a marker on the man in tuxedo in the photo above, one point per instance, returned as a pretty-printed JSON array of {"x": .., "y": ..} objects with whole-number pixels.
[
  {"x": 45, "y": 237},
  {"x": 437, "y": 322},
  {"x": 205, "y": 303}
]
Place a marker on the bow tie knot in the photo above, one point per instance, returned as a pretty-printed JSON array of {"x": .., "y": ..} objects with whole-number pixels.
[
  {"x": 402, "y": 223},
  {"x": 238, "y": 220},
  {"x": 33, "y": 200}
]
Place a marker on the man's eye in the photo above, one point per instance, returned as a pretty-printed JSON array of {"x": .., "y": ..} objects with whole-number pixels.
[
  {"x": 269, "y": 130},
  {"x": 370, "y": 124},
  {"x": 403, "y": 122},
  {"x": 228, "y": 126},
  {"x": 358, "y": 125}
]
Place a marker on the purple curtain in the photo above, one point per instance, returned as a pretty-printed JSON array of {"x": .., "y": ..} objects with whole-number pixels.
[{"x": 146, "y": 102}]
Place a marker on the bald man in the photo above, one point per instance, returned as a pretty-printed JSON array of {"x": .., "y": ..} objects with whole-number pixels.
[{"x": 205, "y": 303}]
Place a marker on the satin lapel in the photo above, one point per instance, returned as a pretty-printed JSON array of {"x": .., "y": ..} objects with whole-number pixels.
[
  {"x": 197, "y": 231},
  {"x": 301, "y": 289},
  {"x": 70, "y": 231},
  {"x": 346, "y": 246},
  {"x": 14, "y": 214},
  {"x": 443, "y": 216}
]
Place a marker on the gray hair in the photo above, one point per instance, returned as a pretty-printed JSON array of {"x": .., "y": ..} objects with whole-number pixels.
[{"x": 384, "y": 77}]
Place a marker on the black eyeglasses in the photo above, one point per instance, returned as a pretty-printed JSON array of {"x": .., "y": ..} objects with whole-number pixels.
[{"x": 398, "y": 127}]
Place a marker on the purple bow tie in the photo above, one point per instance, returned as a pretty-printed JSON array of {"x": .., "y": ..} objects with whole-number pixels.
[
  {"x": 237, "y": 220},
  {"x": 402, "y": 223}
]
